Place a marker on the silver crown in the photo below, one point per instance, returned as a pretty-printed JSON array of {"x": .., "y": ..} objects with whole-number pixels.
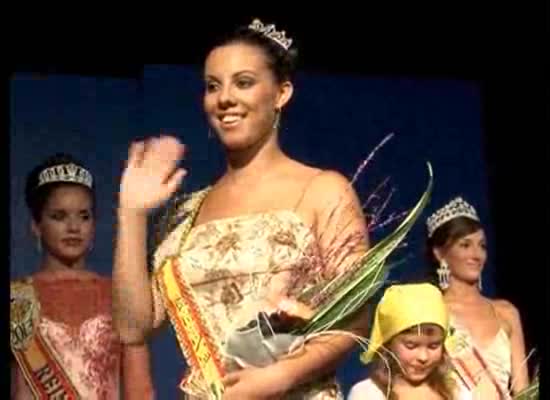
[
  {"x": 71, "y": 173},
  {"x": 270, "y": 32},
  {"x": 455, "y": 208}
]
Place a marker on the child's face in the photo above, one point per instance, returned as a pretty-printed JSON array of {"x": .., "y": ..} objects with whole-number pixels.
[{"x": 419, "y": 351}]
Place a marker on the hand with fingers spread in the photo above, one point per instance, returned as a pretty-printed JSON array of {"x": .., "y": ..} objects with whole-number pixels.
[{"x": 151, "y": 175}]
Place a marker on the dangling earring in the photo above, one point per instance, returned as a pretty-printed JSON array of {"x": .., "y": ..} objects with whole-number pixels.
[
  {"x": 210, "y": 135},
  {"x": 480, "y": 283},
  {"x": 277, "y": 120},
  {"x": 39, "y": 244},
  {"x": 443, "y": 274},
  {"x": 91, "y": 247}
]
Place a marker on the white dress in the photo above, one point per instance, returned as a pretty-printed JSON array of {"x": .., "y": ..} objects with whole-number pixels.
[{"x": 367, "y": 390}]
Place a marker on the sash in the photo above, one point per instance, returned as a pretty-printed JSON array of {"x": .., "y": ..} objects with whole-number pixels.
[
  {"x": 193, "y": 332},
  {"x": 456, "y": 344},
  {"x": 41, "y": 368},
  {"x": 466, "y": 376}
]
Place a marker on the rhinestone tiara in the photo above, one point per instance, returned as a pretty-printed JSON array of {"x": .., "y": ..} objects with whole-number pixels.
[
  {"x": 270, "y": 32},
  {"x": 71, "y": 173},
  {"x": 457, "y": 207}
]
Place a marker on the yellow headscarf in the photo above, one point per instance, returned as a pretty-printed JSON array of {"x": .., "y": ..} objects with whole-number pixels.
[{"x": 403, "y": 307}]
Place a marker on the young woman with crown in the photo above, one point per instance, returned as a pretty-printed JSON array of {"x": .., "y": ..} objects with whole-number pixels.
[
  {"x": 61, "y": 330},
  {"x": 247, "y": 281},
  {"x": 487, "y": 344}
]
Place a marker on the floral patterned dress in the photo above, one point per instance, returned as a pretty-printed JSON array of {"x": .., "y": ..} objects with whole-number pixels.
[
  {"x": 76, "y": 323},
  {"x": 237, "y": 266}
]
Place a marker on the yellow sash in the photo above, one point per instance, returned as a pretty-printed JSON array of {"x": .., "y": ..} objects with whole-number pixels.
[
  {"x": 194, "y": 334},
  {"x": 41, "y": 369}
]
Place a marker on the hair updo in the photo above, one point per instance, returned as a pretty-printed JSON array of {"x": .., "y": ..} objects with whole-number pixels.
[{"x": 281, "y": 61}]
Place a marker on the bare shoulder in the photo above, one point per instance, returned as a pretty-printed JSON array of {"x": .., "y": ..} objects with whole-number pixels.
[
  {"x": 505, "y": 307},
  {"x": 319, "y": 184},
  {"x": 299, "y": 171},
  {"x": 328, "y": 195},
  {"x": 508, "y": 312},
  {"x": 331, "y": 179},
  {"x": 331, "y": 188}
]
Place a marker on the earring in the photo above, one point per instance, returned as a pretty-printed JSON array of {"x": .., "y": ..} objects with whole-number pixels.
[
  {"x": 39, "y": 244},
  {"x": 480, "y": 283},
  {"x": 443, "y": 274},
  {"x": 210, "y": 135},
  {"x": 277, "y": 119},
  {"x": 91, "y": 247}
]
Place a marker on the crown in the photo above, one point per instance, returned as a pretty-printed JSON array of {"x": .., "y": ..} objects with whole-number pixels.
[
  {"x": 270, "y": 32},
  {"x": 455, "y": 208},
  {"x": 65, "y": 173}
]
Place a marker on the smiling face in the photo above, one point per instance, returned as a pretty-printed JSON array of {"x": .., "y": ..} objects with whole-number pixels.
[
  {"x": 465, "y": 256},
  {"x": 242, "y": 96},
  {"x": 461, "y": 243},
  {"x": 66, "y": 225},
  {"x": 419, "y": 351}
]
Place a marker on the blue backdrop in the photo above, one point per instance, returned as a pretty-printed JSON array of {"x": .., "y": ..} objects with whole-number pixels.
[{"x": 332, "y": 122}]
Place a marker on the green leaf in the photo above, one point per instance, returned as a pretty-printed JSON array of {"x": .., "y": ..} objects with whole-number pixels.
[
  {"x": 529, "y": 393},
  {"x": 349, "y": 292}
]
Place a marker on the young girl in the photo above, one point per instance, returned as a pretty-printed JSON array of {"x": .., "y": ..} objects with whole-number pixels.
[{"x": 406, "y": 347}]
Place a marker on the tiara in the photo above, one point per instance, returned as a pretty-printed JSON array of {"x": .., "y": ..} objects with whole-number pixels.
[
  {"x": 65, "y": 173},
  {"x": 270, "y": 32},
  {"x": 455, "y": 208}
]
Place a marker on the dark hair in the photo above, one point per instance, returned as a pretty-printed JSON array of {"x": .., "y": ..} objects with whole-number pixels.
[
  {"x": 439, "y": 379},
  {"x": 446, "y": 235},
  {"x": 281, "y": 61},
  {"x": 37, "y": 196}
]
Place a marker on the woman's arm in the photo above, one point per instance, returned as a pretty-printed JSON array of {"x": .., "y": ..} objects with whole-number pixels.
[
  {"x": 520, "y": 374},
  {"x": 320, "y": 356},
  {"x": 132, "y": 296},
  {"x": 342, "y": 235},
  {"x": 136, "y": 373},
  {"x": 149, "y": 179}
]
